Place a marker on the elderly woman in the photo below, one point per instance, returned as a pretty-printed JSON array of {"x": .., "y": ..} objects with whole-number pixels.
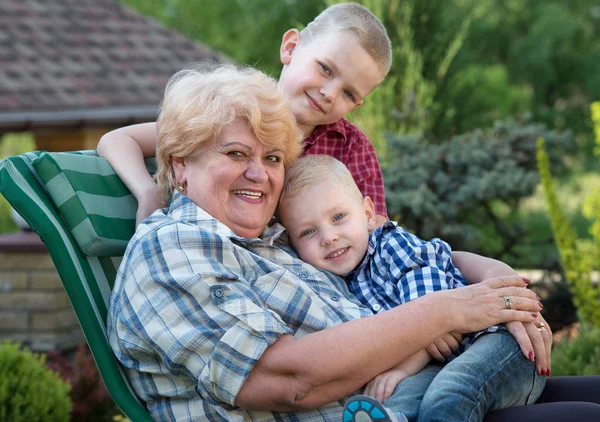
[{"x": 214, "y": 317}]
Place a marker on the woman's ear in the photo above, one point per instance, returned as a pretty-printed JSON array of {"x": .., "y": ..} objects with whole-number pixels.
[
  {"x": 178, "y": 168},
  {"x": 289, "y": 43},
  {"x": 369, "y": 213}
]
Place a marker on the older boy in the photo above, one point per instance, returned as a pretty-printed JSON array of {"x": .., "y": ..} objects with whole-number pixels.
[
  {"x": 328, "y": 69},
  {"x": 332, "y": 226}
]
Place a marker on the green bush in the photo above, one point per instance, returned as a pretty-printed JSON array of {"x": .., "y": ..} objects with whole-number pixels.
[
  {"x": 29, "y": 391},
  {"x": 578, "y": 356},
  {"x": 468, "y": 189},
  {"x": 579, "y": 258}
]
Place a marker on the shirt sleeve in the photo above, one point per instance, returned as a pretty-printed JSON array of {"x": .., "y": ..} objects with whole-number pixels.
[
  {"x": 187, "y": 307},
  {"x": 364, "y": 166},
  {"x": 419, "y": 267}
]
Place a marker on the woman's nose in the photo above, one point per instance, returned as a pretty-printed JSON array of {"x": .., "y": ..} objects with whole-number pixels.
[{"x": 256, "y": 172}]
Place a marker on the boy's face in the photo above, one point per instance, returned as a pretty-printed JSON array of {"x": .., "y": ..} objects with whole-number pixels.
[
  {"x": 328, "y": 226},
  {"x": 326, "y": 78}
]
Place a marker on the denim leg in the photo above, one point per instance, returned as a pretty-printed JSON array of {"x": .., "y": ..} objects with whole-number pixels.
[
  {"x": 408, "y": 394},
  {"x": 491, "y": 374}
]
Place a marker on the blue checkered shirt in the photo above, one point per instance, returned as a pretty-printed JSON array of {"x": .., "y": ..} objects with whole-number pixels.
[
  {"x": 399, "y": 267},
  {"x": 195, "y": 306}
]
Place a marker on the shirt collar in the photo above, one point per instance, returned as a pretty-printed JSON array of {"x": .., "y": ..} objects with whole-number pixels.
[
  {"x": 184, "y": 209},
  {"x": 318, "y": 132},
  {"x": 374, "y": 240}
]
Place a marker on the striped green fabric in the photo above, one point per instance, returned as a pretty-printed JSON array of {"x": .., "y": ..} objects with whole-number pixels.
[
  {"x": 97, "y": 207},
  {"x": 88, "y": 280}
]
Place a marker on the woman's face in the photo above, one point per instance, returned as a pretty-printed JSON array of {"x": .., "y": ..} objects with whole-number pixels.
[{"x": 235, "y": 178}]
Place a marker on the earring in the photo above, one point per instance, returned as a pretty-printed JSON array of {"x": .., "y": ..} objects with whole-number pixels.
[{"x": 181, "y": 187}]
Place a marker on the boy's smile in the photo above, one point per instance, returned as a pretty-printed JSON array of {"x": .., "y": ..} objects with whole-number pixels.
[
  {"x": 327, "y": 77},
  {"x": 328, "y": 226}
]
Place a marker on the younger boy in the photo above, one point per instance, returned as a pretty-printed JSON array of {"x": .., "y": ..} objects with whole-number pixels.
[
  {"x": 328, "y": 70},
  {"x": 332, "y": 226}
]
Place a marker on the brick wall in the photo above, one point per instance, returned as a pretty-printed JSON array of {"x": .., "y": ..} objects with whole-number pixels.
[{"x": 34, "y": 308}]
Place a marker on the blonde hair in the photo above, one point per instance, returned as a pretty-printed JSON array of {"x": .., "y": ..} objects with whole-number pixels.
[
  {"x": 204, "y": 98},
  {"x": 359, "y": 21},
  {"x": 313, "y": 169}
]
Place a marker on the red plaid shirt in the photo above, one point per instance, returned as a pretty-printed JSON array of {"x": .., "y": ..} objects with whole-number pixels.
[{"x": 344, "y": 141}]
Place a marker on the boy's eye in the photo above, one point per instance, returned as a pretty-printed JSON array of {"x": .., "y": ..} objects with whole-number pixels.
[
  {"x": 325, "y": 68},
  {"x": 339, "y": 216},
  {"x": 306, "y": 232},
  {"x": 349, "y": 95}
]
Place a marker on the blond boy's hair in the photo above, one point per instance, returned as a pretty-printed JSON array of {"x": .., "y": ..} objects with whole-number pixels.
[
  {"x": 313, "y": 169},
  {"x": 204, "y": 98},
  {"x": 359, "y": 21}
]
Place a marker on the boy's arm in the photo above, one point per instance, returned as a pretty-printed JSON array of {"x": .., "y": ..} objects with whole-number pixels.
[
  {"x": 476, "y": 268},
  {"x": 125, "y": 149},
  {"x": 383, "y": 385}
]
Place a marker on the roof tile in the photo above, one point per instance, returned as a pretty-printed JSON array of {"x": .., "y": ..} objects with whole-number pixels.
[{"x": 62, "y": 54}]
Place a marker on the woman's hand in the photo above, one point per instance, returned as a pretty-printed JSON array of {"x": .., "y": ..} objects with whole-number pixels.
[
  {"x": 535, "y": 340},
  {"x": 491, "y": 302}
]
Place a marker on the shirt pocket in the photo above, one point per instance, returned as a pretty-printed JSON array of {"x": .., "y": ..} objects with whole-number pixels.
[{"x": 293, "y": 301}]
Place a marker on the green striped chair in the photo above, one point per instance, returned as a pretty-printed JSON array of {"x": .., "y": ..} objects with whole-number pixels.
[{"x": 85, "y": 215}]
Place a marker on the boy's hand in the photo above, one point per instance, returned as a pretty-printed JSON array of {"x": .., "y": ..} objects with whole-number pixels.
[
  {"x": 383, "y": 385},
  {"x": 443, "y": 347}
]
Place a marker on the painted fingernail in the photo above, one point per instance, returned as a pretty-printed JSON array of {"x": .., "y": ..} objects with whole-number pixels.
[
  {"x": 526, "y": 280},
  {"x": 541, "y": 306},
  {"x": 531, "y": 356},
  {"x": 534, "y": 315}
]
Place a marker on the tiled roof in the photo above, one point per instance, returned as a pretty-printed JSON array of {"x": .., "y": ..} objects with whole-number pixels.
[{"x": 92, "y": 60}]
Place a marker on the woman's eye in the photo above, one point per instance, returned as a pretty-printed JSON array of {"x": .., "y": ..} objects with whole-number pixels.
[
  {"x": 235, "y": 154},
  {"x": 325, "y": 68},
  {"x": 273, "y": 158},
  {"x": 349, "y": 95},
  {"x": 338, "y": 217},
  {"x": 307, "y": 232}
]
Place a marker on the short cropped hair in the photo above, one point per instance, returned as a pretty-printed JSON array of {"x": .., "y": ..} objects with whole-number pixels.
[
  {"x": 204, "y": 98},
  {"x": 359, "y": 21},
  {"x": 313, "y": 169}
]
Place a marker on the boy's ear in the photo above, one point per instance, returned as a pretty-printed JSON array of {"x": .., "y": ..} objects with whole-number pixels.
[
  {"x": 289, "y": 42},
  {"x": 369, "y": 213}
]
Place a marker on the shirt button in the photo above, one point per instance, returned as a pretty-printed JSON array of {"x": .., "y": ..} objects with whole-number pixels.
[
  {"x": 376, "y": 307},
  {"x": 219, "y": 293},
  {"x": 335, "y": 298},
  {"x": 303, "y": 275}
]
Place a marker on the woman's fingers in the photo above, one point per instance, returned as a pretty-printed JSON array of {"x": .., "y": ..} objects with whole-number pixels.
[
  {"x": 541, "y": 358},
  {"x": 518, "y": 331},
  {"x": 506, "y": 281}
]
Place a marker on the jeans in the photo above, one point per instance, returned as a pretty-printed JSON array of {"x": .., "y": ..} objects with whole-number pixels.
[{"x": 491, "y": 374}]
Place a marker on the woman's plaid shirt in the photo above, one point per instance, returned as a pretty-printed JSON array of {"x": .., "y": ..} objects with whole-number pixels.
[{"x": 195, "y": 306}]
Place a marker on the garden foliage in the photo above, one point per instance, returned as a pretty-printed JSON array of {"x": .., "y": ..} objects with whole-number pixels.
[
  {"x": 29, "y": 391},
  {"x": 463, "y": 189},
  {"x": 578, "y": 356},
  {"x": 91, "y": 401},
  {"x": 579, "y": 258}
]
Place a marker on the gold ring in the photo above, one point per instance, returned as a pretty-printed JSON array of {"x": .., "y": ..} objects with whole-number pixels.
[
  {"x": 506, "y": 302},
  {"x": 541, "y": 326}
]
